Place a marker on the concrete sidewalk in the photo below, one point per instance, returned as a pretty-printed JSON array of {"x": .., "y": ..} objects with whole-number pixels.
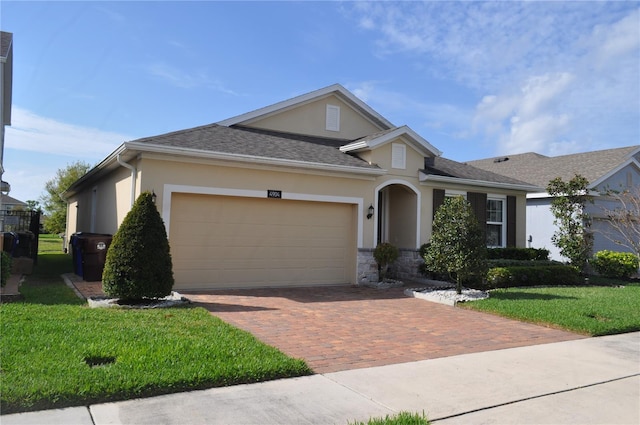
[{"x": 585, "y": 381}]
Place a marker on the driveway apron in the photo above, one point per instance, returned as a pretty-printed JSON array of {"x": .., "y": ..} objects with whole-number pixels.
[{"x": 346, "y": 327}]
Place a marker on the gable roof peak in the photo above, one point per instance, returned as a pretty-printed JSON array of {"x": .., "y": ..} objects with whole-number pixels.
[
  {"x": 335, "y": 89},
  {"x": 385, "y": 136}
]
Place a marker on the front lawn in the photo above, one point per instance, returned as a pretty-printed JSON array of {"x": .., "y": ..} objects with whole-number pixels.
[
  {"x": 57, "y": 352},
  {"x": 589, "y": 310}
]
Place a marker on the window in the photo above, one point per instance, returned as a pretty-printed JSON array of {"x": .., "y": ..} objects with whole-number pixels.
[
  {"x": 333, "y": 118},
  {"x": 398, "y": 156},
  {"x": 453, "y": 193},
  {"x": 496, "y": 227}
]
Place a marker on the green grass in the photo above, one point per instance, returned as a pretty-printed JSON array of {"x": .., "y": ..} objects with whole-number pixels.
[
  {"x": 58, "y": 352},
  {"x": 402, "y": 418},
  {"x": 589, "y": 310},
  {"x": 49, "y": 244}
]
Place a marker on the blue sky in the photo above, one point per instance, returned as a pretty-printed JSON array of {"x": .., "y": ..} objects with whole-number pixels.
[{"x": 476, "y": 79}]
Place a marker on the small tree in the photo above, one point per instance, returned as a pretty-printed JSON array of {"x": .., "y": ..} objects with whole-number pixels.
[
  {"x": 385, "y": 254},
  {"x": 573, "y": 237},
  {"x": 138, "y": 263},
  {"x": 624, "y": 219},
  {"x": 54, "y": 205},
  {"x": 457, "y": 242}
]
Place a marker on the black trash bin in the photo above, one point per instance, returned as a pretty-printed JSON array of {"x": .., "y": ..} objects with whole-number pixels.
[
  {"x": 10, "y": 242},
  {"x": 94, "y": 255},
  {"x": 26, "y": 245}
]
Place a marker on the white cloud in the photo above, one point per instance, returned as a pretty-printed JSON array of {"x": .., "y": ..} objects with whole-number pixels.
[
  {"x": 31, "y": 132},
  {"x": 551, "y": 76},
  {"x": 528, "y": 119},
  {"x": 611, "y": 42},
  {"x": 36, "y": 147}
]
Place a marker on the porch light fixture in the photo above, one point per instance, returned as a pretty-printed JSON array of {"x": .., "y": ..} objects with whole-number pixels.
[
  {"x": 370, "y": 212},
  {"x": 153, "y": 197}
]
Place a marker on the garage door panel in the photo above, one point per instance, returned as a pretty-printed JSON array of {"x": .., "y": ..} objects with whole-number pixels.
[{"x": 219, "y": 242}]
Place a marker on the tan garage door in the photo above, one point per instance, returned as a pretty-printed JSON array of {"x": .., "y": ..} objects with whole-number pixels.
[{"x": 223, "y": 242}]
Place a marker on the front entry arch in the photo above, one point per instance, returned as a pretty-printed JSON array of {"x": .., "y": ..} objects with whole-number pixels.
[{"x": 398, "y": 214}]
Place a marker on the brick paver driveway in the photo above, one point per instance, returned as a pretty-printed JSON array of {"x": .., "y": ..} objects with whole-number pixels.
[{"x": 340, "y": 328}]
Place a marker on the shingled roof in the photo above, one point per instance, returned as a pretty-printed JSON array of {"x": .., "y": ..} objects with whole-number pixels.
[
  {"x": 6, "y": 38},
  {"x": 539, "y": 170},
  {"x": 448, "y": 168},
  {"x": 245, "y": 141}
]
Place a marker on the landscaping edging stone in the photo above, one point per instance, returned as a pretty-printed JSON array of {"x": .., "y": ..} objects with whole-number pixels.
[
  {"x": 173, "y": 300},
  {"x": 446, "y": 296}
]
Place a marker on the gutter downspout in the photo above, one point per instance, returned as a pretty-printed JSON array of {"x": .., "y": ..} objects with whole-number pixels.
[{"x": 134, "y": 175}]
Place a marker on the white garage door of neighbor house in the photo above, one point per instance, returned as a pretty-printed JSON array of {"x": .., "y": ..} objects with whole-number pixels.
[{"x": 226, "y": 242}]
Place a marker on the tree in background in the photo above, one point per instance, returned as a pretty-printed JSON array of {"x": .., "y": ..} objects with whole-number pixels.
[
  {"x": 573, "y": 237},
  {"x": 624, "y": 219},
  {"x": 458, "y": 245},
  {"x": 138, "y": 263},
  {"x": 33, "y": 205},
  {"x": 54, "y": 205}
]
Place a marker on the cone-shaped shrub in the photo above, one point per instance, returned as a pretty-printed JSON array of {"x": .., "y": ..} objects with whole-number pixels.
[{"x": 138, "y": 263}]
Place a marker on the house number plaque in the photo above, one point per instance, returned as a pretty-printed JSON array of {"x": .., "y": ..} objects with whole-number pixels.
[{"x": 274, "y": 194}]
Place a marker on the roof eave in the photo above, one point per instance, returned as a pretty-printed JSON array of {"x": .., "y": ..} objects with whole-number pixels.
[
  {"x": 150, "y": 148},
  {"x": 105, "y": 165},
  {"x": 603, "y": 178},
  {"x": 481, "y": 183},
  {"x": 386, "y": 138}
]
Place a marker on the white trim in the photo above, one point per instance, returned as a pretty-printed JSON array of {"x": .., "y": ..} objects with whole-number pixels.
[
  {"x": 538, "y": 195},
  {"x": 426, "y": 178},
  {"x": 170, "y": 189},
  {"x": 503, "y": 223},
  {"x": 336, "y": 89},
  {"x": 418, "y": 208},
  {"x": 603, "y": 178},
  {"x": 388, "y": 137},
  {"x": 146, "y": 147},
  {"x": 450, "y": 193}
]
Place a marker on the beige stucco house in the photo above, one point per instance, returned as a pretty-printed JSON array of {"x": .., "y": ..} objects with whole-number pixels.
[{"x": 296, "y": 193}]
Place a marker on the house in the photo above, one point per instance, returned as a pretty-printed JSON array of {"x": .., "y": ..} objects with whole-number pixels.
[
  {"x": 610, "y": 169},
  {"x": 296, "y": 193},
  {"x": 12, "y": 204},
  {"x": 6, "y": 90}
]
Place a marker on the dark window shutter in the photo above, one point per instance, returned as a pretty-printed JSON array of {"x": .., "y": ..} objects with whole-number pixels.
[
  {"x": 478, "y": 203},
  {"x": 511, "y": 221},
  {"x": 438, "y": 199}
]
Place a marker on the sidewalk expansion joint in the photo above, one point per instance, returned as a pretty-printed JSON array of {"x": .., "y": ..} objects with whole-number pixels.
[{"x": 568, "y": 390}]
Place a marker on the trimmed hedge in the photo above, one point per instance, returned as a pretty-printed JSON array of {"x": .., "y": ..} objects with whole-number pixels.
[
  {"x": 619, "y": 265},
  {"x": 138, "y": 263},
  {"x": 511, "y": 253},
  {"x": 504, "y": 277},
  {"x": 524, "y": 263}
]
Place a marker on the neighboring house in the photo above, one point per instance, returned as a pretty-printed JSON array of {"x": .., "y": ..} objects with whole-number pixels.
[
  {"x": 296, "y": 193},
  {"x": 610, "y": 169},
  {"x": 11, "y": 204},
  {"x": 6, "y": 90}
]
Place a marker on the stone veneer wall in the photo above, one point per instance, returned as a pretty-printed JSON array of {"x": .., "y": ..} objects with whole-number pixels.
[{"x": 404, "y": 268}]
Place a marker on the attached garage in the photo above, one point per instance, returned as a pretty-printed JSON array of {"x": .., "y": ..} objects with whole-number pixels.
[{"x": 228, "y": 241}]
